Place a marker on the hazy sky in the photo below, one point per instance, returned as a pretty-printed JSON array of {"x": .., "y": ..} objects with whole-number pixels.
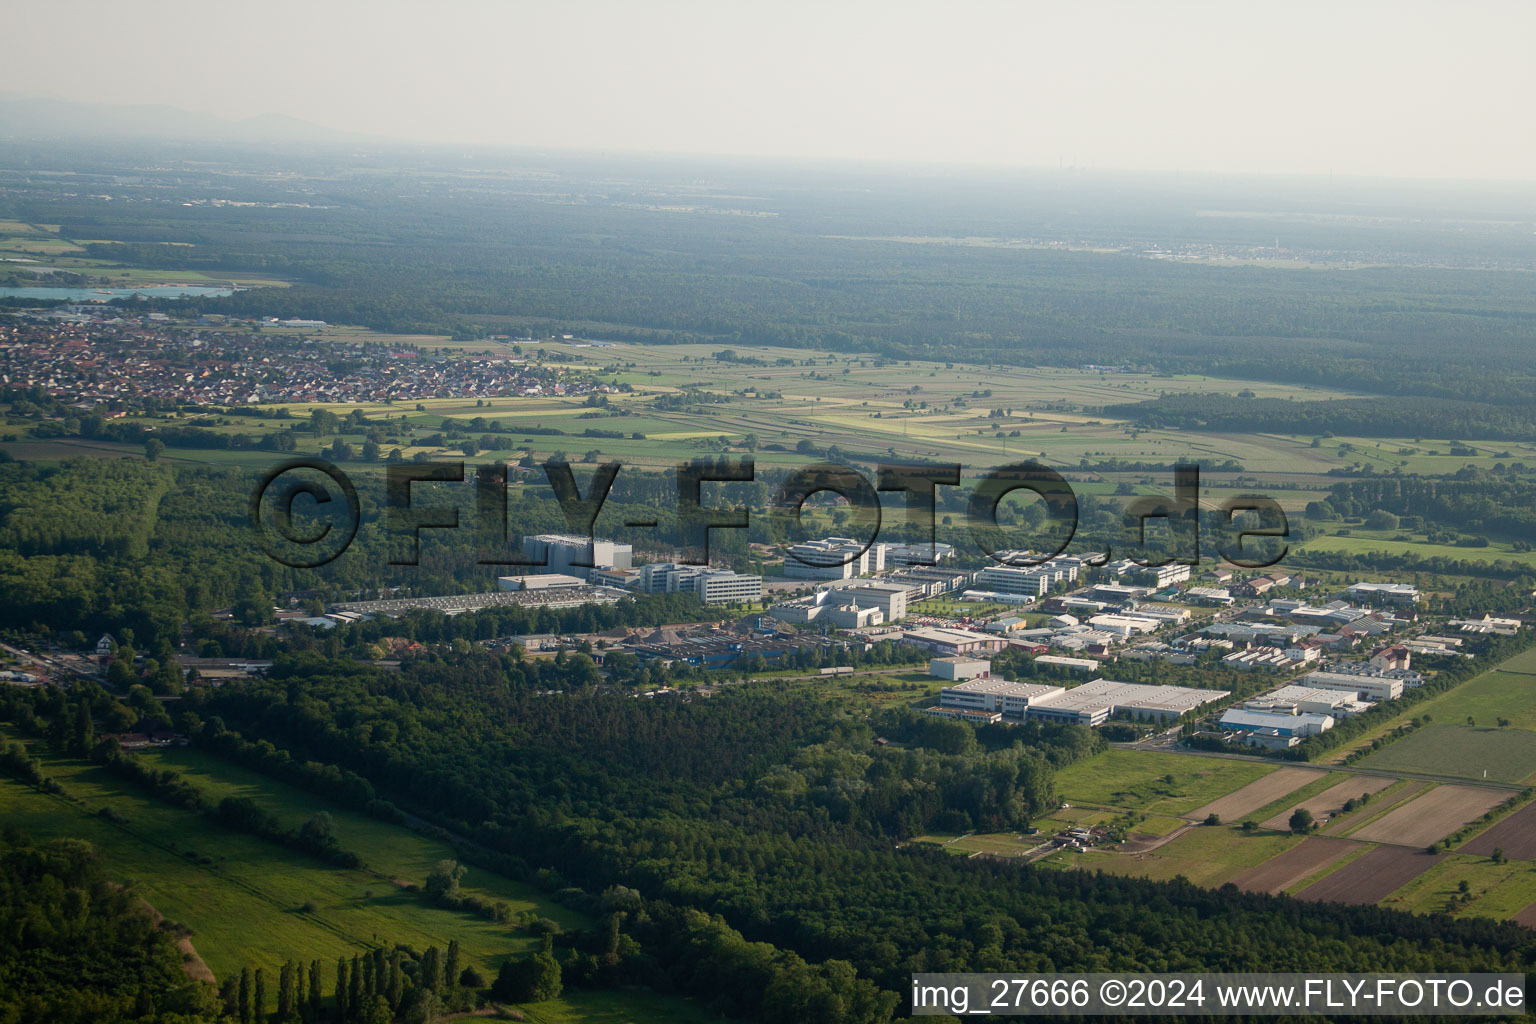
[{"x": 1390, "y": 87}]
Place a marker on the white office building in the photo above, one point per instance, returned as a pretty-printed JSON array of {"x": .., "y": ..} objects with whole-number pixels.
[
  {"x": 722, "y": 586},
  {"x": 1382, "y": 593},
  {"x": 1161, "y": 576},
  {"x": 903, "y": 555},
  {"x": 1029, "y": 581},
  {"x": 999, "y": 695},
  {"x": 836, "y": 558}
]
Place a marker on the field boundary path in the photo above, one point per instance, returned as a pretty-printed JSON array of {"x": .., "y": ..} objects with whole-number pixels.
[{"x": 191, "y": 960}]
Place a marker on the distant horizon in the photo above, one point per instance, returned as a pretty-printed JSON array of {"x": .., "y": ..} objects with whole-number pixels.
[
  {"x": 346, "y": 139},
  {"x": 1389, "y": 89}
]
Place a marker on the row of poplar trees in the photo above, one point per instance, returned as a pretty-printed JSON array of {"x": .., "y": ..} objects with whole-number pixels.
[{"x": 372, "y": 988}]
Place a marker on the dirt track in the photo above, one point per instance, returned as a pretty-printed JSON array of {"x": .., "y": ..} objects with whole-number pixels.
[{"x": 191, "y": 961}]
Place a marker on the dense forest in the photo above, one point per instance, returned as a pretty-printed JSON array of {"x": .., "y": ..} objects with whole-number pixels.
[
  {"x": 782, "y": 816},
  {"x": 746, "y": 849},
  {"x": 1358, "y": 417},
  {"x": 78, "y": 949}
]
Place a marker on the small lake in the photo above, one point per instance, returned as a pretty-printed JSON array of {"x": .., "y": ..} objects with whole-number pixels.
[{"x": 164, "y": 291}]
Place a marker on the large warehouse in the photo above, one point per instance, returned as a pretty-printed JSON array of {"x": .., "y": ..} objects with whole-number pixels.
[
  {"x": 1094, "y": 702},
  {"x": 1090, "y": 704}
]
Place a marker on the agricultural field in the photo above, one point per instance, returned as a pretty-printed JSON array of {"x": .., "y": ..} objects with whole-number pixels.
[
  {"x": 1515, "y": 835},
  {"x": 1379, "y": 858},
  {"x": 1507, "y": 692},
  {"x": 1155, "y": 783},
  {"x": 43, "y": 250},
  {"x": 1324, "y": 805},
  {"x": 978, "y": 415},
  {"x": 1495, "y": 890},
  {"x": 1430, "y": 817},
  {"x": 1158, "y": 825},
  {"x": 251, "y": 901},
  {"x": 1296, "y": 864},
  {"x": 1461, "y": 751},
  {"x": 1257, "y": 794},
  {"x": 1395, "y": 794},
  {"x": 1361, "y": 542},
  {"x": 1372, "y": 877}
]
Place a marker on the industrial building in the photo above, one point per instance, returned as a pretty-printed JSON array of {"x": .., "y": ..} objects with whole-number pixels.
[
  {"x": 1164, "y": 616},
  {"x": 576, "y": 556},
  {"x": 539, "y": 581},
  {"x": 1362, "y": 686},
  {"x": 1160, "y": 576},
  {"x": 950, "y": 642},
  {"x": 1410, "y": 677},
  {"x": 1383, "y": 593},
  {"x": 722, "y": 586},
  {"x": 1294, "y": 698},
  {"x": 1089, "y": 704},
  {"x": 712, "y": 586},
  {"x": 1487, "y": 624},
  {"x": 1073, "y": 664},
  {"x": 1273, "y": 729},
  {"x": 919, "y": 554},
  {"x": 829, "y": 608},
  {"x": 1094, "y": 702},
  {"x": 1119, "y": 593},
  {"x": 847, "y": 605},
  {"x": 1028, "y": 581},
  {"x": 836, "y": 558},
  {"x": 890, "y": 598},
  {"x": 1124, "y": 625},
  {"x": 959, "y": 669},
  {"x": 718, "y": 649},
  {"x": 971, "y": 715},
  {"x": 1011, "y": 700},
  {"x": 930, "y": 582},
  {"x": 624, "y": 579}
]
